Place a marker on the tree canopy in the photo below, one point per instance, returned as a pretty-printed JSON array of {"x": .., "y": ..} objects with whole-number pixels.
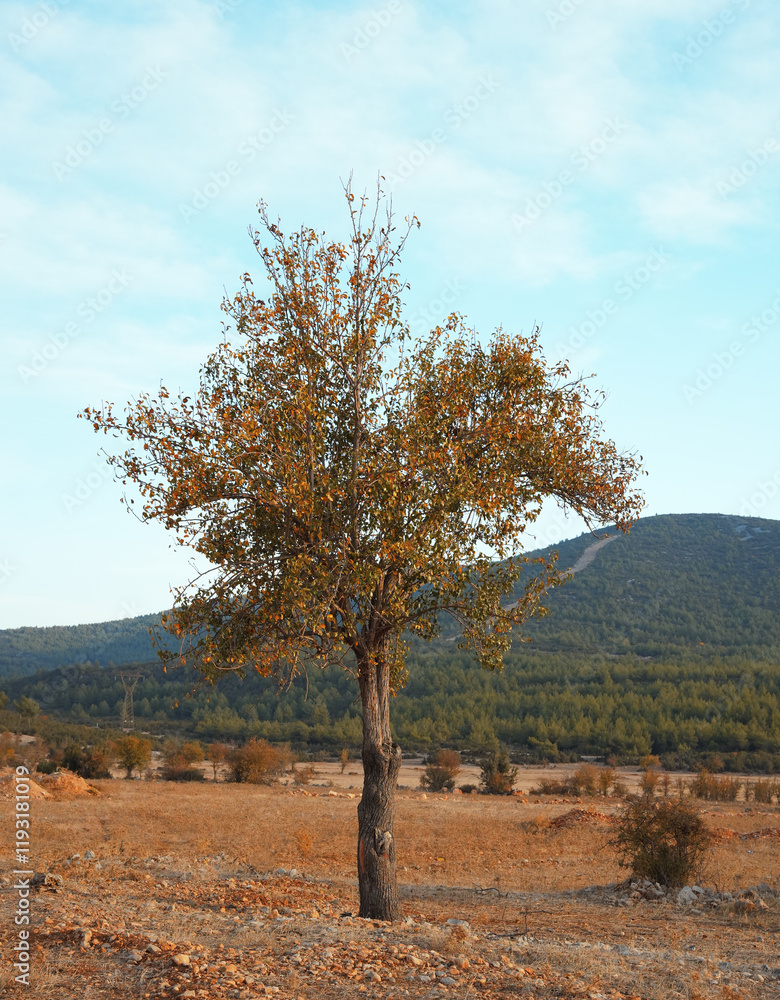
[{"x": 347, "y": 483}]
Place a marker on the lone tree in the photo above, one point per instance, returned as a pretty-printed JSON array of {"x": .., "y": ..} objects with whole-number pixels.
[{"x": 350, "y": 484}]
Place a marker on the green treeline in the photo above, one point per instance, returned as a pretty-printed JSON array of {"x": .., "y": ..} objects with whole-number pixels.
[
  {"x": 668, "y": 642},
  {"x": 548, "y": 703}
]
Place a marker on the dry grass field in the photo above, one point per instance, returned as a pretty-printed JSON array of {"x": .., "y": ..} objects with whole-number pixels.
[{"x": 223, "y": 890}]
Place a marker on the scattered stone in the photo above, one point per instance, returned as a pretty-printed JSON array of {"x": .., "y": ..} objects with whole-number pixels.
[
  {"x": 46, "y": 882},
  {"x": 182, "y": 959}
]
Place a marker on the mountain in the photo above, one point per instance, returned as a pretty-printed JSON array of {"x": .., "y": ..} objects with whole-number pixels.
[
  {"x": 664, "y": 641},
  {"x": 24, "y": 651},
  {"x": 678, "y": 583}
]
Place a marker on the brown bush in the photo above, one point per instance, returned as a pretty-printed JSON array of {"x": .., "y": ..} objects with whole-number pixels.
[
  {"x": 707, "y": 786},
  {"x": 662, "y": 840},
  {"x": 257, "y": 762}
]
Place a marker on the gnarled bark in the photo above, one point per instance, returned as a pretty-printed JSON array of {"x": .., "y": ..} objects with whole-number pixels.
[{"x": 376, "y": 810}]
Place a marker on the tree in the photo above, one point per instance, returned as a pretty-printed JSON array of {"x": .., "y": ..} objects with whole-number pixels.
[
  {"x": 349, "y": 484},
  {"x": 216, "y": 754},
  {"x": 27, "y": 708},
  {"x": 178, "y": 759},
  {"x": 257, "y": 762},
  {"x": 132, "y": 753},
  {"x": 498, "y": 774}
]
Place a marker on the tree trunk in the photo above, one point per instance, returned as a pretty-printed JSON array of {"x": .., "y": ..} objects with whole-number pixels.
[{"x": 376, "y": 811}]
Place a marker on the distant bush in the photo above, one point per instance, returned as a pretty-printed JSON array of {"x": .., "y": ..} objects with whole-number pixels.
[
  {"x": 178, "y": 759},
  {"x": 89, "y": 761},
  {"x": 605, "y": 779},
  {"x": 468, "y": 789},
  {"x": 763, "y": 791},
  {"x": 707, "y": 786},
  {"x": 133, "y": 753},
  {"x": 552, "y": 786},
  {"x": 442, "y": 771},
  {"x": 257, "y": 762},
  {"x": 585, "y": 780},
  {"x": 46, "y": 767},
  {"x": 303, "y": 774},
  {"x": 664, "y": 840},
  {"x": 498, "y": 774}
]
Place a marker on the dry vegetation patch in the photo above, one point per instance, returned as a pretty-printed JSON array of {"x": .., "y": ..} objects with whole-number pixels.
[{"x": 198, "y": 891}]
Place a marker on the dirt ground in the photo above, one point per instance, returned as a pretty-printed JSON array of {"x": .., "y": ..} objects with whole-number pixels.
[{"x": 223, "y": 890}]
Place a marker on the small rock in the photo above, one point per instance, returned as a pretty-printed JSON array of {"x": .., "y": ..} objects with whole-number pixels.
[
  {"x": 181, "y": 959},
  {"x": 686, "y": 896},
  {"x": 46, "y": 881},
  {"x": 89, "y": 855}
]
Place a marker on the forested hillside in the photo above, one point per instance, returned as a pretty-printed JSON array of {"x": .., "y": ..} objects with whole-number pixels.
[
  {"x": 668, "y": 641},
  {"x": 27, "y": 650},
  {"x": 677, "y": 581}
]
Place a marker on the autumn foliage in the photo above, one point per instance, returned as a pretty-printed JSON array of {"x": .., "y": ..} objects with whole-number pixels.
[{"x": 350, "y": 484}]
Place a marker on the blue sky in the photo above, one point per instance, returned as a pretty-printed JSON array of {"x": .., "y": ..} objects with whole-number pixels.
[{"x": 606, "y": 169}]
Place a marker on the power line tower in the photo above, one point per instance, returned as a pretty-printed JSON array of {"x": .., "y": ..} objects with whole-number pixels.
[{"x": 129, "y": 681}]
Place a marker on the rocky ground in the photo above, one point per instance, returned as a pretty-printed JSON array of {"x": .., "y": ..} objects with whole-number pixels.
[{"x": 183, "y": 919}]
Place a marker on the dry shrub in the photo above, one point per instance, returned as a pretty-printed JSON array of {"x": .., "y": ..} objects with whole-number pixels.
[
  {"x": 605, "y": 779},
  {"x": 303, "y": 774},
  {"x": 538, "y": 823},
  {"x": 304, "y": 839},
  {"x": 441, "y": 772},
  {"x": 498, "y": 774},
  {"x": 763, "y": 790},
  {"x": 649, "y": 781},
  {"x": 585, "y": 779},
  {"x": 661, "y": 840},
  {"x": 552, "y": 786},
  {"x": 711, "y": 788},
  {"x": 257, "y": 762},
  {"x": 178, "y": 760}
]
